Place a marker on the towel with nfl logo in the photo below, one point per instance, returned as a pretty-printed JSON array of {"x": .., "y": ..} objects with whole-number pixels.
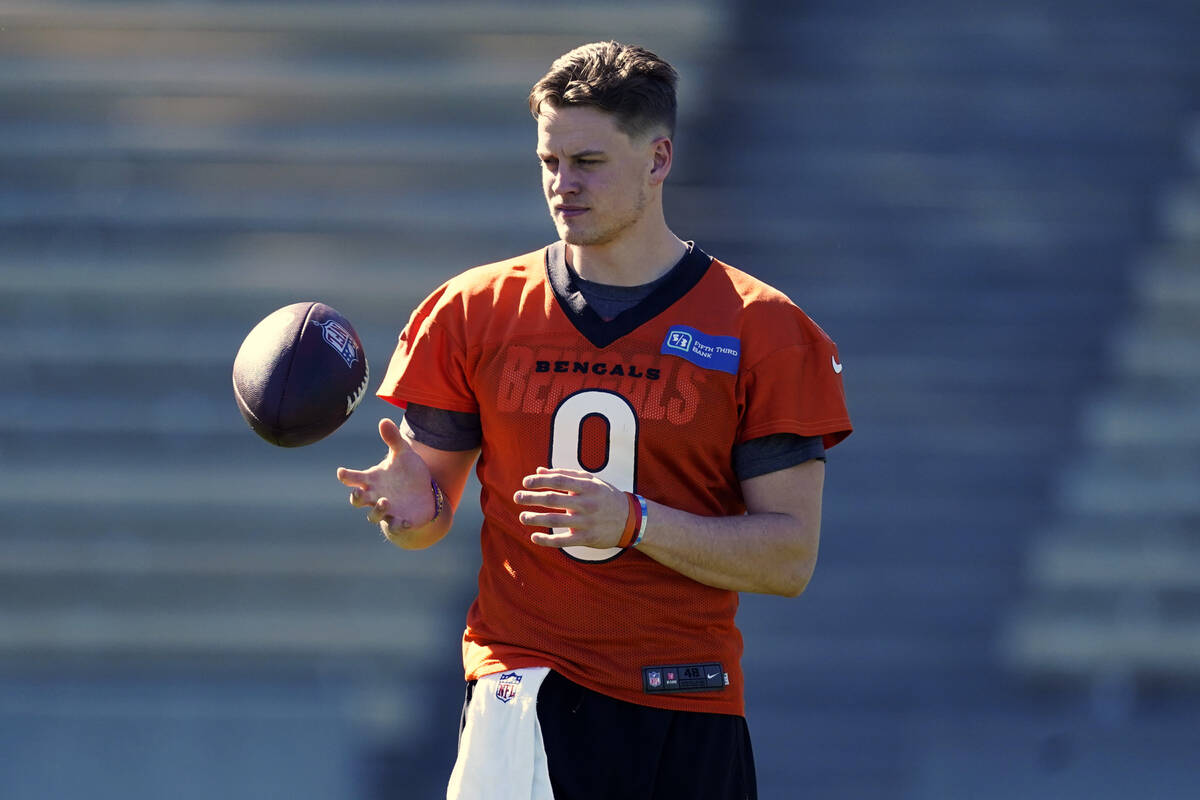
[{"x": 501, "y": 755}]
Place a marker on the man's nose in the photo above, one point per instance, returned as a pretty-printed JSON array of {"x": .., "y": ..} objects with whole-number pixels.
[{"x": 564, "y": 181}]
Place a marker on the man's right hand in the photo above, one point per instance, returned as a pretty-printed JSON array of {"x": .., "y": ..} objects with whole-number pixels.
[{"x": 396, "y": 492}]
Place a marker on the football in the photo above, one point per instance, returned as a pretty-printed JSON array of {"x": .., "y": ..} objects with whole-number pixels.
[{"x": 299, "y": 374}]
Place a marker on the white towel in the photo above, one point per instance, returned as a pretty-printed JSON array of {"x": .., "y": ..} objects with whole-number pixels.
[{"x": 501, "y": 755}]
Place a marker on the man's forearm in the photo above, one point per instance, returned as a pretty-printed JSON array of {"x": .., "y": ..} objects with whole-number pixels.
[{"x": 770, "y": 553}]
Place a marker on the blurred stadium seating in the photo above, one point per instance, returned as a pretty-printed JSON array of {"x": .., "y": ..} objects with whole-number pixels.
[
  {"x": 1116, "y": 577},
  {"x": 991, "y": 206},
  {"x": 174, "y": 589},
  {"x": 962, "y": 193}
]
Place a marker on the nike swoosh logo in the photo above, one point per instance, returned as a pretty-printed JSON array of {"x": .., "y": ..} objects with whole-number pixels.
[
  {"x": 715, "y": 674},
  {"x": 836, "y": 366}
]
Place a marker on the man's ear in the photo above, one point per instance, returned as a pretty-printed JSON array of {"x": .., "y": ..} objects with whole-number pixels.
[{"x": 662, "y": 154}]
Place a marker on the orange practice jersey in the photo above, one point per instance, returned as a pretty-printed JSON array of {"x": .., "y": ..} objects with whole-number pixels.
[{"x": 653, "y": 401}]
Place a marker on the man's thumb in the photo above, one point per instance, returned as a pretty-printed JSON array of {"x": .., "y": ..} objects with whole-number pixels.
[{"x": 390, "y": 433}]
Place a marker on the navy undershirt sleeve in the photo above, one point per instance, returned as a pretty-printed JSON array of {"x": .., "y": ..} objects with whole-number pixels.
[
  {"x": 444, "y": 430},
  {"x": 772, "y": 453}
]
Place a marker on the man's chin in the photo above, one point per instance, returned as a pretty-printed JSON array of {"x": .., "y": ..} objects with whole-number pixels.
[
  {"x": 573, "y": 237},
  {"x": 579, "y": 238}
]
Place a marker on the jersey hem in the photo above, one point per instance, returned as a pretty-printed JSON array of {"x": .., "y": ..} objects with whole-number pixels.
[
  {"x": 667, "y": 702},
  {"x": 838, "y": 429},
  {"x": 402, "y": 399}
]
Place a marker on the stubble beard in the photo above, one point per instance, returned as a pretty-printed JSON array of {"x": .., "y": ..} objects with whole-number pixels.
[{"x": 610, "y": 232}]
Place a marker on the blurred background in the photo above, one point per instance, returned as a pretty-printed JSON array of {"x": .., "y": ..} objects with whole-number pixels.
[{"x": 993, "y": 207}]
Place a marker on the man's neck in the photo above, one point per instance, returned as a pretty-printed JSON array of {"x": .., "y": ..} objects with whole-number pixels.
[{"x": 627, "y": 262}]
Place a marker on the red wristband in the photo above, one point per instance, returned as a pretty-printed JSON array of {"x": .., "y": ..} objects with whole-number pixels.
[{"x": 632, "y": 522}]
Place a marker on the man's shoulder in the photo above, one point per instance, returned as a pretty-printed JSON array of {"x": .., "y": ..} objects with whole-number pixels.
[
  {"x": 480, "y": 288},
  {"x": 766, "y": 313},
  {"x": 487, "y": 277},
  {"x": 751, "y": 289}
]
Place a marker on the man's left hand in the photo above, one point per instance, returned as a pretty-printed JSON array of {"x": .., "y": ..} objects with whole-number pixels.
[{"x": 592, "y": 511}]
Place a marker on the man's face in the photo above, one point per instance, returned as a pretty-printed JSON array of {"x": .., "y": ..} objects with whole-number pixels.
[{"x": 596, "y": 179}]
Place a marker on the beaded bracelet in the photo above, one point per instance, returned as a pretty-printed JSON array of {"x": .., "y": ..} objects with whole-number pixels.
[{"x": 439, "y": 500}]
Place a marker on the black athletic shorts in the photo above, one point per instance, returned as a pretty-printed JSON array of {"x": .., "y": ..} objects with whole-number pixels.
[{"x": 600, "y": 748}]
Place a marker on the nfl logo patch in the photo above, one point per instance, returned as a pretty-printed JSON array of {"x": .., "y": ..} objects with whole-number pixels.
[
  {"x": 339, "y": 339},
  {"x": 507, "y": 688},
  {"x": 655, "y": 678}
]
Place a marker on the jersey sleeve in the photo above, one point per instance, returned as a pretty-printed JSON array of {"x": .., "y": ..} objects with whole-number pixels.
[
  {"x": 796, "y": 385},
  {"x": 429, "y": 365}
]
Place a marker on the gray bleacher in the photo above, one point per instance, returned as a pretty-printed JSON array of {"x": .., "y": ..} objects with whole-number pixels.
[
  {"x": 1115, "y": 578},
  {"x": 963, "y": 194},
  {"x": 960, "y": 193}
]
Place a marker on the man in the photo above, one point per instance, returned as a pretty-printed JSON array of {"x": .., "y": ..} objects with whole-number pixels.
[{"x": 650, "y": 426}]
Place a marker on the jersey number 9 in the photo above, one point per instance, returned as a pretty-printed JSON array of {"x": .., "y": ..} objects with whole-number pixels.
[{"x": 617, "y": 466}]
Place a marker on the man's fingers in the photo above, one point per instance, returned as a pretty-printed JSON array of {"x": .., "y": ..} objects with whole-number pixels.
[
  {"x": 547, "y": 520},
  {"x": 352, "y": 477},
  {"x": 560, "y": 500},
  {"x": 357, "y": 481},
  {"x": 379, "y": 511},
  {"x": 554, "y": 539},
  {"x": 577, "y": 473},
  {"x": 559, "y": 481},
  {"x": 394, "y": 527}
]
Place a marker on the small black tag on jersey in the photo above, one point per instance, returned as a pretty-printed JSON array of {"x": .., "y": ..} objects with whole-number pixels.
[{"x": 684, "y": 678}]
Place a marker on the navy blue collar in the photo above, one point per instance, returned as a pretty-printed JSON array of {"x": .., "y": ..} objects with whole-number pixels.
[{"x": 668, "y": 289}]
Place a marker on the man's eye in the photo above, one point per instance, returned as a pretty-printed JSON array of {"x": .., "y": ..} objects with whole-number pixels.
[{"x": 588, "y": 162}]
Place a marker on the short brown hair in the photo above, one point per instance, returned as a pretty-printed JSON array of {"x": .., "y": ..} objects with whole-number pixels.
[{"x": 629, "y": 82}]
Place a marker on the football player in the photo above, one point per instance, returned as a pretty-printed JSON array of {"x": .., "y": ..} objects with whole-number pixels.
[{"x": 649, "y": 426}]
